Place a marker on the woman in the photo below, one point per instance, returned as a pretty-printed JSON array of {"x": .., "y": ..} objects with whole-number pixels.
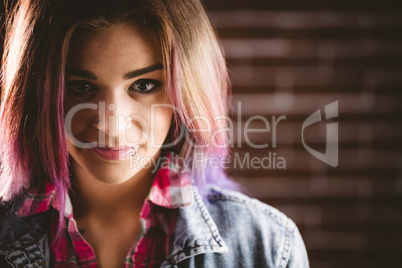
[{"x": 112, "y": 112}]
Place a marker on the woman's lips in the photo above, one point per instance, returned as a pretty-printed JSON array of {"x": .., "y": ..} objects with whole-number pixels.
[{"x": 114, "y": 154}]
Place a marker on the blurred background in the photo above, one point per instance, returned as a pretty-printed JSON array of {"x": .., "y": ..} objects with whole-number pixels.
[
  {"x": 289, "y": 59},
  {"x": 292, "y": 58}
]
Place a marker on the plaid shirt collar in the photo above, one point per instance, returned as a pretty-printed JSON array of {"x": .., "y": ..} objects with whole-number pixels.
[{"x": 170, "y": 189}]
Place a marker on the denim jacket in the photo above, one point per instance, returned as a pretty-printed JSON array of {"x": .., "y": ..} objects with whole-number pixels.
[{"x": 221, "y": 229}]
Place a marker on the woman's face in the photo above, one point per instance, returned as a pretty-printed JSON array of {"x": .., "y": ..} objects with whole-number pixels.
[{"x": 115, "y": 102}]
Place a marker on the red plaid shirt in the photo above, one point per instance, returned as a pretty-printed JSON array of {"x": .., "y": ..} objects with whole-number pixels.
[{"x": 158, "y": 218}]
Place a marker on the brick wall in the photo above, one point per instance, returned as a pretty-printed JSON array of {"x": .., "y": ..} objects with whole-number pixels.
[{"x": 291, "y": 58}]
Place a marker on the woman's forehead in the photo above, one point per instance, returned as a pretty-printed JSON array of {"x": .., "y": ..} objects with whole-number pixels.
[
  {"x": 115, "y": 49},
  {"x": 115, "y": 40}
]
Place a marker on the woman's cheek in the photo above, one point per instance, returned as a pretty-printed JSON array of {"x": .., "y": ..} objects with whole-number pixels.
[{"x": 162, "y": 121}]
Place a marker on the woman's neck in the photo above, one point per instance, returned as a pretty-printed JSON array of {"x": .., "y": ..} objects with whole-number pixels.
[
  {"x": 108, "y": 215},
  {"x": 101, "y": 201}
]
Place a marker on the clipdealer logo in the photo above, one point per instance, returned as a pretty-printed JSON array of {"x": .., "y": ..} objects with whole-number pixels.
[
  {"x": 331, "y": 155},
  {"x": 243, "y": 161}
]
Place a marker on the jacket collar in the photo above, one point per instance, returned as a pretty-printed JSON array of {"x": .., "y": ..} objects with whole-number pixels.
[{"x": 196, "y": 233}]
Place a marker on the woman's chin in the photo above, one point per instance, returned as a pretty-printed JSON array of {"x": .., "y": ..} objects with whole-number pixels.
[{"x": 115, "y": 177}]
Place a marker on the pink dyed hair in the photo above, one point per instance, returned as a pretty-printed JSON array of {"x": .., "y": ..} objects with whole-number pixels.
[{"x": 32, "y": 135}]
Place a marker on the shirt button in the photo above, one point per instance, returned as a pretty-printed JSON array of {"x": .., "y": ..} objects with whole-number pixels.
[{"x": 137, "y": 258}]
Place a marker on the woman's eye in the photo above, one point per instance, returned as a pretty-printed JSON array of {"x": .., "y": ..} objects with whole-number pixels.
[
  {"x": 79, "y": 87},
  {"x": 145, "y": 86}
]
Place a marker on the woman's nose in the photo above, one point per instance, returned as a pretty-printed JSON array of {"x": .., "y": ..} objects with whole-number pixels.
[{"x": 114, "y": 116}]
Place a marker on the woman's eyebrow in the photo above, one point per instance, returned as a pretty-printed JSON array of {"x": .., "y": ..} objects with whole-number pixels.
[
  {"x": 129, "y": 75},
  {"x": 80, "y": 73},
  {"x": 135, "y": 73}
]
